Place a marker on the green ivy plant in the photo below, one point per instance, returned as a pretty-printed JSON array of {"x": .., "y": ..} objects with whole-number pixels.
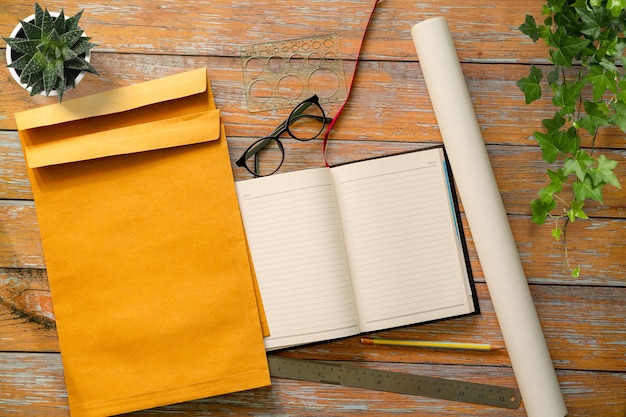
[{"x": 587, "y": 81}]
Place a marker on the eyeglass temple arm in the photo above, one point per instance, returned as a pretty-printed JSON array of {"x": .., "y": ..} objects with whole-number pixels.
[{"x": 253, "y": 150}]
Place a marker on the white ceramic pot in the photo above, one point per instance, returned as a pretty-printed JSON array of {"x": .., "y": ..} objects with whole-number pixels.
[{"x": 14, "y": 73}]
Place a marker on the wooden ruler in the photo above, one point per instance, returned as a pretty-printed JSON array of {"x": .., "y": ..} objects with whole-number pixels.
[{"x": 398, "y": 382}]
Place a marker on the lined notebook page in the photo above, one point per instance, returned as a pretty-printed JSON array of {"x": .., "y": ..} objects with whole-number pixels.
[
  {"x": 293, "y": 230},
  {"x": 405, "y": 258}
]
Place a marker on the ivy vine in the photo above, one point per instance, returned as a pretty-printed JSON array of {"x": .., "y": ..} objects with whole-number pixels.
[{"x": 586, "y": 44}]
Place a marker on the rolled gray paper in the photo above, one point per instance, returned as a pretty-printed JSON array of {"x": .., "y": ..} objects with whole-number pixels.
[{"x": 487, "y": 219}]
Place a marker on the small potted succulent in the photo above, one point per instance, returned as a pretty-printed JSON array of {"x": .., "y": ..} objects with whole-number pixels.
[{"x": 47, "y": 53}]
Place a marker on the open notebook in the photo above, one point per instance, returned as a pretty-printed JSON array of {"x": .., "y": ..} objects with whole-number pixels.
[{"x": 355, "y": 248}]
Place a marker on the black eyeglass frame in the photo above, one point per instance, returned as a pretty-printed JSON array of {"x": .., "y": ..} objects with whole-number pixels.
[{"x": 295, "y": 115}]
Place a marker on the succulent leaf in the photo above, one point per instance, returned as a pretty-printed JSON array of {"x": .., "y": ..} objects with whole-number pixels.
[
  {"x": 28, "y": 47},
  {"x": 32, "y": 31},
  {"x": 38, "y": 15},
  {"x": 62, "y": 85},
  {"x": 83, "y": 45},
  {"x": 34, "y": 66},
  {"x": 51, "y": 73},
  {"x": 70, "y": 38},
  {"x": 48, "y": 24},
  {"x": 20, "y": 63},
  {"x": 59, "y": 22},
  {"x": 80, "y": 64},
  {"x": 72, "y": 22},
  {"x": 36, "y": 87},
  {"x": 67, "y": 54}
]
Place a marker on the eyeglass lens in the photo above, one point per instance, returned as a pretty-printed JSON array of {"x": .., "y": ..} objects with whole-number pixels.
[
  {"x": 268, "y": 159},
  {"x": 305, "y": 122}
]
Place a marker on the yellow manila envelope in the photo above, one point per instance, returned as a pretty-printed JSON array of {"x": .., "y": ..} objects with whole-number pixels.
[{"x": 153, "y": 291}]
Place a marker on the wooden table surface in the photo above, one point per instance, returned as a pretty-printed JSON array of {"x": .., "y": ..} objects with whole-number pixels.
[{"x": 584, "y": 319}]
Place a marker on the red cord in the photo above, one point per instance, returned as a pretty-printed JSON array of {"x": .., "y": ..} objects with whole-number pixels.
[{"x": 332, "y": 122}]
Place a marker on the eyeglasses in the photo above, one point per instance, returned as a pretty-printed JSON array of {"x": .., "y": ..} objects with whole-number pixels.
[
  {"x": 272, "y": 149},
  {"x": 305, "y": 122}
]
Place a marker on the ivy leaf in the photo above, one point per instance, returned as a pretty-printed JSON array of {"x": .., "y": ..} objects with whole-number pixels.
[
  {"x": 566, "y": 47},
  {"x": 621, "y": 96},
  {"x": 586, "y": 189},
  {"x": 576, "y": 272},
  {"x": 554, "y": 6},
  {"x": 557, "y": 178},
  {"x": 563, "y": 141},
  {"x": 550, "y": 151},
  {"x": 530, "y": 85},
  {"x": 576, "y": 211},
  {"x": 596, "y": 116},
  {"x": 553, "y": 75},
  {"x": 578, "y": 165},
  {"x": 601, "y": 80},
  {"x": 616, "y": 7},
  {"x": 566, "y": 96},
  {"x": 567, "y": 17},
  {"x": 604, "y": 172},
  {"x": 541, "y": 210},
  {"x": 554, "y": 124},
  {"x": 619, "y": 118},
  {"x": 592, "y": 18},
  {"x": 557, "y": 232},
  {"x": 529, "y": 28}
]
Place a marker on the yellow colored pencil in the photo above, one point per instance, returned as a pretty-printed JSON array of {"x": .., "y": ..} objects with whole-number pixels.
[{"x": 429, "y": 344}]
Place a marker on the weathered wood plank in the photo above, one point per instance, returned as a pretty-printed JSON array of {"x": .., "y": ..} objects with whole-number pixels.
[
  {"x": 596, "y": 245},
  {"x": 544, "y": 259},
  {"x": 389, "y": 101},
  {"x": 14, "y": 183},
  {"x": 33, "y": 385},
  {"x": 190, "y": 27},
  {"x": 20, "y": 244},
  {"x": 519, "y": 169},
  {"x": 587, "y": 344}
]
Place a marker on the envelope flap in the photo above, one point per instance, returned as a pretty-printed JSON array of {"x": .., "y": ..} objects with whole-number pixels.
[
  {"x": 116, "y": 101},
  {"x": 161, "y": 134}
]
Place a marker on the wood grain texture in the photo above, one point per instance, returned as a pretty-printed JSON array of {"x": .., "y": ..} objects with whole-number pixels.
[
  {"x": 592, "y": 344},
  {"x": 389, "y": 111},
  {"x": 190, "y": 27},
  {"x": 586, "y": 393},
  {"x": 389, "y": 101},
  {"x": 519, "y": 170}
]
